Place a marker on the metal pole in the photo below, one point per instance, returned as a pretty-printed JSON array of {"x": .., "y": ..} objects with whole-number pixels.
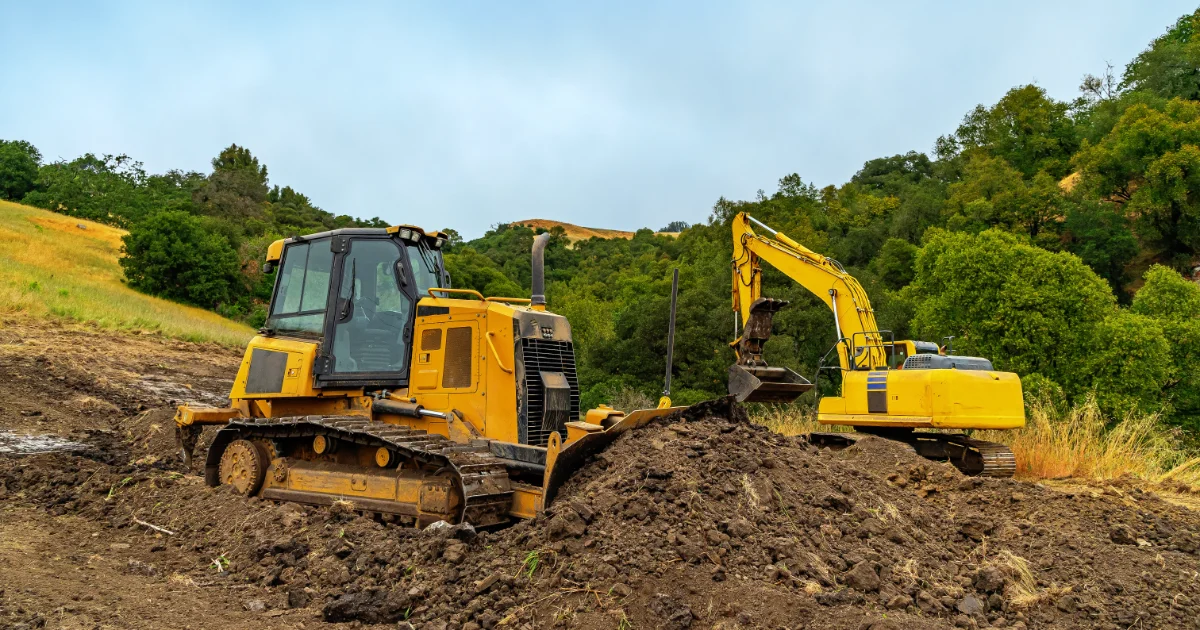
[{"x": 671, "y": 331}]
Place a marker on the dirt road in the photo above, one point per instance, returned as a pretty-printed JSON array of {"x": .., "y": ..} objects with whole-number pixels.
[{"x": 703, "y": 521}]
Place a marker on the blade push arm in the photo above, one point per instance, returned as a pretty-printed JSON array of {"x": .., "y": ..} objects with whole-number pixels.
[{"x": 821, "y": 275}]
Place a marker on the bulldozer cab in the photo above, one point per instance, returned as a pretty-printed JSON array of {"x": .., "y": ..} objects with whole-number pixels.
[{"x": 355, "y": 293}]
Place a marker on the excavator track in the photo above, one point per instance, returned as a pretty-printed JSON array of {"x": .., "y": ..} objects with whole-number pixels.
[
  {"x": 481, "y": 478},
  {"x": 975, "y": 458}
]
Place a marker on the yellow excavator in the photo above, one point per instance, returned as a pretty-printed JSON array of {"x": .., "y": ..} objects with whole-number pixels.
[
  {"x": 888, "y": 388},
  {"x": 374, "y": 381}
]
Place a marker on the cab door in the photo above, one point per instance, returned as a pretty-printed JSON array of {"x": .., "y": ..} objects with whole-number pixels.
[{"x": 368, "y": 338}]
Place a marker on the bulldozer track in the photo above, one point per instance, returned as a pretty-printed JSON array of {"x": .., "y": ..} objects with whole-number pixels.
[
  {"x": 977, "y": 458},
  {"x": 482, "y": 477}
]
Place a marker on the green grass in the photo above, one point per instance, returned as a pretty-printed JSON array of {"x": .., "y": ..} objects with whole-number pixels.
[{"x": 50, "y": 267}]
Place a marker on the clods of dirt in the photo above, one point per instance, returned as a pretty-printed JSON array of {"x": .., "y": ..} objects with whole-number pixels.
[{"x": 701, "y": 519}]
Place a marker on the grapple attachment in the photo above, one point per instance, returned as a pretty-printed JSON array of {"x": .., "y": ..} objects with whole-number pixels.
[
  {"x": 766, "y": 384},
  {"x": 751, "y": 379}
]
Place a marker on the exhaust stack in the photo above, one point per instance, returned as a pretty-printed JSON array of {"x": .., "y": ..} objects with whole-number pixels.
[{"x": 538, "y": 300}]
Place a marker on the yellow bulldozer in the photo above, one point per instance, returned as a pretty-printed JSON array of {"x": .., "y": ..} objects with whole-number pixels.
[
  {"x": 374, "y": 381},
  {"x": 888, "y": 387}
]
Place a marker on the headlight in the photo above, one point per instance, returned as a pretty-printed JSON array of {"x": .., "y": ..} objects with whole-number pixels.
[{"x": 406, "y": 234}]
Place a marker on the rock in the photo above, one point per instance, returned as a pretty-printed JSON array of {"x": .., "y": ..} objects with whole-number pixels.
[
  {"x": 568, "y": 524},
  {"x": 621, "y": 590},
  {"x": 989, "y": 579},
  {"x": 1067, "y": 603},
  {"x": 675, "y": 614},
  {"x": 119, "y": 546},
  {"x": 583, "y": 510},
  {"x": 862, "y": 577},
  {"x": 255, "y": 605},
  {"x": 740, "y": 528},
  {"x": 971, "y": 605},
  {"x": 1122, "y": 535},
  {"x": 897, "y": 602},
  {"x": 298, "y": 598},
  {"x": 454, "y": 554},
  {"x": 928, "y": 603}
]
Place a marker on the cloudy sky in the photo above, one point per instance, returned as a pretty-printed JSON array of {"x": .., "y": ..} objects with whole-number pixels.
[{"x": 469, "y": 114}]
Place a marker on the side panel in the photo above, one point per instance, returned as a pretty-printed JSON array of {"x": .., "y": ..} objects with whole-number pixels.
[
  {"x": 450, "y": 366},
  {"x": 948, "y": 399},
  {"x": 275, "y": 367}
]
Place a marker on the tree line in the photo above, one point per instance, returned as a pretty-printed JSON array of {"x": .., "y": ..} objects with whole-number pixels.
[{"x": 1056, "y": 237}]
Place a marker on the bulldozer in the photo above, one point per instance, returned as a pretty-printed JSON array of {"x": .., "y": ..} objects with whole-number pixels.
[
  {"x": 375, "y": 382},
  {"x": 888, "y": 388}
]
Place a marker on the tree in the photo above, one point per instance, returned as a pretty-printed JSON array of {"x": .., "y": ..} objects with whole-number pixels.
[
  {"x": 675, "y": 226},
  {"x": 19, "y": 162},
  {"x": 1150, "y": 164},
  {"x": 1100, "y": 236},
  {"x": 176, "y": 255},
  {"x": 1129, "y": 364},
  {"x": 1170, "y": 67},
  {"x": 1027, "y": 309},
  {"x": 896, "y": 263},
  {"x": 237, "y": 188},
  {"x": 1174, "y": 302},
  {"x": 107, "y": 189},
  {"x": 1027, "y": 129}
]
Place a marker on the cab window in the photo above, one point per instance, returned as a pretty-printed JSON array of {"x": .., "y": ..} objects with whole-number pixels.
[
  {"x": 426, "y": 267},
  {"x": 372, "y": 310},
  {"x": 302, "y": 290}
]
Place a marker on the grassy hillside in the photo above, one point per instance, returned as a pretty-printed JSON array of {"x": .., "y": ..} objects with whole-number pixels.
[
  {"x": 55, "y": 265},
  {"x": 578, "y": 232}
]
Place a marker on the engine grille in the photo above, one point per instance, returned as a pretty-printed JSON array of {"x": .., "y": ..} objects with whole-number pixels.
[{"x": 541, "y": 355}]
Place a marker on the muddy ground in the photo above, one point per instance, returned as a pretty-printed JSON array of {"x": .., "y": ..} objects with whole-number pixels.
[{"x": 701, "y": 520}]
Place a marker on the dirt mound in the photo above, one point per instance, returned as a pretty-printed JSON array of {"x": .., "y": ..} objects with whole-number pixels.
[{"x": 701, "y": 519}]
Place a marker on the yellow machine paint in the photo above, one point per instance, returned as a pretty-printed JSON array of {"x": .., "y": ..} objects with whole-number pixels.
[
  {"x": 379, "y": 384},
  {"x": 887, "y": 386}
]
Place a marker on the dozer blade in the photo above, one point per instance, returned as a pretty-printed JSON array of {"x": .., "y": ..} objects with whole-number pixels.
[
  {"x": 766, "y": 384},
  {"x": 563, "y": 463}
]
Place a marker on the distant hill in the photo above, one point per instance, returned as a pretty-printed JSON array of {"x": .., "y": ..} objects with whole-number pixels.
[
  {"x": 53, "y": 265},
  {"x": 578, "y": 232}
]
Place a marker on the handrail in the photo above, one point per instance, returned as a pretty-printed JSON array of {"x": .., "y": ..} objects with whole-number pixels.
[
  {"x": 466, "y": 291},
  {"x": 509, "y": 299},
  {"x": 495, "y": 353}
]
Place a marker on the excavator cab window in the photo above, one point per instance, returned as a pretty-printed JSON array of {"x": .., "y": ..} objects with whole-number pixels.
[
  {"x": 373, "y": 310},
  {"x": 302, "y": 291}
]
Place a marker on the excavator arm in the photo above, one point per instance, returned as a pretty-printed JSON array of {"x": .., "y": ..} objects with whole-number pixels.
[{"x": 860, "y": 345}]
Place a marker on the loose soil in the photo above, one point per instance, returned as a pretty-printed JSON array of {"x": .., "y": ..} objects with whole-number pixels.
[{"x": 700, "y": 520}]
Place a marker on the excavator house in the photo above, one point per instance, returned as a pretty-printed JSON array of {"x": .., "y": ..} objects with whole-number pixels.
[
  {"x": 373, "y": 381},
  {"x": 888, "y": 388}
]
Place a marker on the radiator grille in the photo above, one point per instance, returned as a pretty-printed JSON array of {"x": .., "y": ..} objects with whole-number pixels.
[
  {"x": 431, "y": 339},
  {"x": 537, "y": 356},
  {"x": 456, "y": 371}
]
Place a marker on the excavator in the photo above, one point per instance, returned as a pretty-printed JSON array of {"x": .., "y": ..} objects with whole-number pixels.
[
  {"x": 888, "y": 388},
  {"x": 375, "y": 382}
]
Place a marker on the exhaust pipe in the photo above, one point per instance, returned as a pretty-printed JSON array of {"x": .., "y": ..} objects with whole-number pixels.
[{"x": 538, "y": 300}]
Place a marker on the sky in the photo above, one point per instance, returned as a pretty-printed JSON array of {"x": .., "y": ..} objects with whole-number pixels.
[{"x": 467, "y": 114}]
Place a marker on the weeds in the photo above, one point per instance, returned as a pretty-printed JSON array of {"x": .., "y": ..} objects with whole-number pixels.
[
  {"x": 530, "y": 565},
  {"x": 1080, "y": 442}
]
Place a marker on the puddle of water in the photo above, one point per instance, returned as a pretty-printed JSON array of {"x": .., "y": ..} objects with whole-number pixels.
[
  {"x": 167, "y": 389},
  {"x": 18, "y": 444}
]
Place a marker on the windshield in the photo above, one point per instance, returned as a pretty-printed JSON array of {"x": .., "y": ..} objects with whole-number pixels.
[
  {"x": 426, "y": 266},
  {"x": 303, "y": 288}
]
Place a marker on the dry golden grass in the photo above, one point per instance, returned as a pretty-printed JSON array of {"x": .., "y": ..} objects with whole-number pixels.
[
  {"x": 50, "y": 266},
  {"x": 1080, "y": 443}
]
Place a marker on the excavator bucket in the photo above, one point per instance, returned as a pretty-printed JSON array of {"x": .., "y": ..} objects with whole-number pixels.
[
  {"x": 766, "y": 384},
  {"x": 751, "y": 379}
]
